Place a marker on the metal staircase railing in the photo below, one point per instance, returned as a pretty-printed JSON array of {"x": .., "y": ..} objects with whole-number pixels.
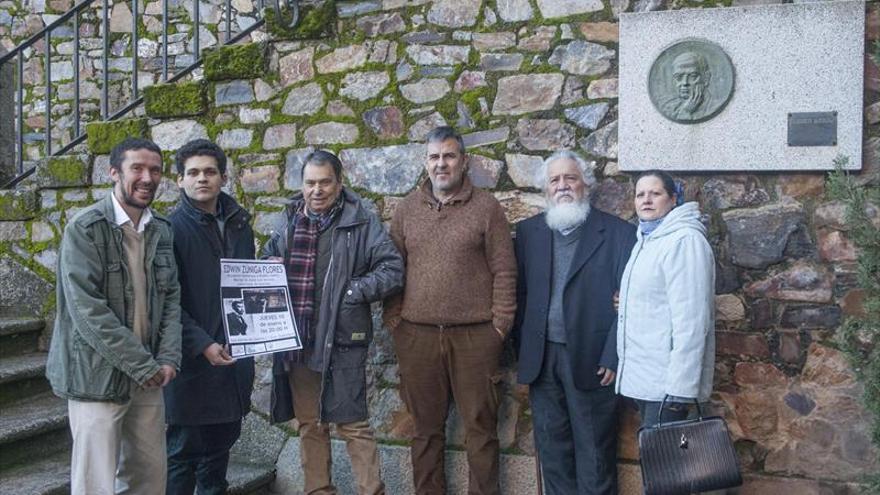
[{"x": 74, "y": 15}]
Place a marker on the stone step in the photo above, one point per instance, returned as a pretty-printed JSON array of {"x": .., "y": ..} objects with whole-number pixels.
[
  {"x": 19, "y": 335},
  {"x": 47, "y": 476},
  {"x": 22, "y": 376},
  {"x": 32, "y": 428},
  {"x": 249, "y": 479},
  {"x": 51, "y": 476}
]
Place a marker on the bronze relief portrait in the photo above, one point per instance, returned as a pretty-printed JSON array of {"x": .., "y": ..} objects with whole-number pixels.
[{"x": 691, "y": 81}]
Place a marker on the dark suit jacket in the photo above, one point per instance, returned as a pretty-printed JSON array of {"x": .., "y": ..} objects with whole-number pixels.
[
  {"x": 594, "y": 277},
  {"x": 236, "y": 323}
]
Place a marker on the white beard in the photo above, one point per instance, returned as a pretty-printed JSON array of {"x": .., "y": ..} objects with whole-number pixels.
[{"x": 566, "y": 216}]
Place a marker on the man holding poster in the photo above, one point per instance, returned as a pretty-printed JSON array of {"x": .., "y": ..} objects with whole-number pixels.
[
  {"x": 339, "y": 259},
  {"x": 205, "y": 405}
]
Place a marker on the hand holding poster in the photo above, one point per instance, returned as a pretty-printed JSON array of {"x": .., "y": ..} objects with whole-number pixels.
[{"x": 256, "y": 302}]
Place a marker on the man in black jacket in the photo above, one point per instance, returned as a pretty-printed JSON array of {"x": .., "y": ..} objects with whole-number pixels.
[
  {"x": 570, "y": 260},
  {"x": 206, "y": 404},
  {"x": 235, "y": 319}
]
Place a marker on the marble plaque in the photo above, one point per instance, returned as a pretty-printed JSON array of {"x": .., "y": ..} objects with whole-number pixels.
[{"x": 712, "y": 89}]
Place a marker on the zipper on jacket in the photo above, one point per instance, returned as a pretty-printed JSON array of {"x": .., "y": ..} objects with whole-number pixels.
[{"x": 628, "y": 280}]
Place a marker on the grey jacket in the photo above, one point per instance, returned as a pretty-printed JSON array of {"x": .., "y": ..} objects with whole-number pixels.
[
  {"x": 94, "y": 355},
  {"x": 364, "y": 267}
]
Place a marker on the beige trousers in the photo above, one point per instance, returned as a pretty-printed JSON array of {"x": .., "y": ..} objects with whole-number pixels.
[
  {"x": 315, "y": 440},
  {"x": 119, "y": 448}
]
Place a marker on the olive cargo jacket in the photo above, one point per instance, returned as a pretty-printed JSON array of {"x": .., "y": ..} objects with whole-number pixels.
[{"x": 94, "y": 355}]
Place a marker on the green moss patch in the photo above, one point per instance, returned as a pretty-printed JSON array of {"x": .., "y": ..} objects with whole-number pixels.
[
  {"x": 314, "y": 22},
  {"x": 175, "y": 100},
  {"x": 235, "y": 62},
  {"x": 18, "y": 204},
  {"x": 63, "y": 171},
  {"x": 103, "y": 136}
]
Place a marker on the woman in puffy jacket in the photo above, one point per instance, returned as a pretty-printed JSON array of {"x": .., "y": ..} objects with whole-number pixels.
[{"x": 666, "y": 322}]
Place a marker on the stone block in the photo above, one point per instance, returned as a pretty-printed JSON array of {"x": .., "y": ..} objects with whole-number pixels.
[
  {"x": 495, "y": 62},
  {"x": 582, "y": 58},
  {"x": 802, "y": 281},
  {"x": 12, "y": 231},
  {"x": 304, "y": 100},
  {"x": 377, "y": 25},
  {"x": 484, "y": 171},
  {"x": 545, "y": 134},
  {"x": 343, "y": 59},
  {"x": 63, "y": 171},
  {"x": 483, "y": 138},
  {"x": 523, "y": 169},
  {"x": 175, "y": 100},
  {"x": 263, "y": 179},
  {"x": 171, "y": 135},
  {"x": 742, "y": 344},
  {"x": 279, "y": 136},
  {"x": 454, "y": 13},
  {"x": 233, "y": 93},
  {"x": 293, "y": 163},
  {"x": 18, "y": 204},
  {"x": 490, "y": 42},
  {"x": 563, "y": 8},
  {"x": 297, "y": 66},
  {"x": 514, "y": 10},
  {"x": 384, "y": 170},
  {"x": 331, "y": 133},
  {"x": 602, "y": 89},
  {"x": 822, "y": 31},
  {"x": 24, "y": 292},
  {"x": 540, "y": 41},
  {"x": 587, "y": 116},
  {"x": 601, "y": 32},
  {"x": 438, "y": 54},
  {"x": 235, "y": 139},
  {"x": 425, "y": 90},
  {"x": 103, "y": 136},
  {"x": 614, "y": 197},
  {"x": 247, "y": 61},
  {"x": 385, "y": 122},
  {"x": 602, "y": 142},
  {"x": 363, "y": 86},
  {"x": 758, "y": 237},
  {"x": 423, "y": 126},
  {"x": 520, "y": 205},
  {"x": 527, "y": 93}
]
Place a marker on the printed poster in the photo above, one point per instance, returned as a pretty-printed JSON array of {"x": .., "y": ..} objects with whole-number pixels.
[{"x": 257, "y": 310}]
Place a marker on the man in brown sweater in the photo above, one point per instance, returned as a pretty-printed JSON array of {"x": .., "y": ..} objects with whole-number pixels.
[{"x": 457, "y": 307}]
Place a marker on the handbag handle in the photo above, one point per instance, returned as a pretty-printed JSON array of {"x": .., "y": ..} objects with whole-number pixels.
[{"x": 663, "y": 403}]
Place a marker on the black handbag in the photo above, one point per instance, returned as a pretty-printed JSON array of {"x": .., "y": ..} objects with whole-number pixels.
[{"x": 690, "y": 456}]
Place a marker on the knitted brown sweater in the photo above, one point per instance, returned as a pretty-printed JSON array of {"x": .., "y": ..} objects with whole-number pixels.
[{"x": 460, "y": 266}]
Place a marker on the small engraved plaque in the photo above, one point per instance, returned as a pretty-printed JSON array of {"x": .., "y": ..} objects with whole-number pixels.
[{"x": 812, "y": 129}]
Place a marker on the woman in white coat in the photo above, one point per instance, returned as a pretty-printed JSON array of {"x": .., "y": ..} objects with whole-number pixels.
[{"x": 666, "y": 322}]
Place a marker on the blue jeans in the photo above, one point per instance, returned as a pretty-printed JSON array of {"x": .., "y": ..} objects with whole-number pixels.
[
  {"x": 575, "y": 430},
  {"x": 198, "y": 455},
  {"x": 672, "y": 411}
]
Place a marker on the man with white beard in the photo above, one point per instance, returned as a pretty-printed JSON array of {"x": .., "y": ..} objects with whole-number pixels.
[{"x": 570, "y": 260}]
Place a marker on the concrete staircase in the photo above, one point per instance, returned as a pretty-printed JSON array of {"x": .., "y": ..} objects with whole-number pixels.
[{"x": 34, "y": 434}]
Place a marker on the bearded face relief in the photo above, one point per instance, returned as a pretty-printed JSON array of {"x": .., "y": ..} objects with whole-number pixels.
[{"x": 691, "y": 81}]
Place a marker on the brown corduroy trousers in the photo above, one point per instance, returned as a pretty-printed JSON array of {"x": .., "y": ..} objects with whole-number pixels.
[{"x": 461, "y": 362}]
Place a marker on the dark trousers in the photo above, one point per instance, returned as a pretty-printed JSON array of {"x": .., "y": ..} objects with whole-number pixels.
[
  {"x": 575, "y": 430},
  {"x": 198, "y": 455},
  {"x": 462, "y": 362},
  {"x": 672, "y": 411}
]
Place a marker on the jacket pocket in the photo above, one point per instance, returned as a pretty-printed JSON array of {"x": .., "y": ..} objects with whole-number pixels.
[
  {"x": 164, "y": 272},
  {"x": 92, "y": 377},
  {"x": 354, "y": 325}
]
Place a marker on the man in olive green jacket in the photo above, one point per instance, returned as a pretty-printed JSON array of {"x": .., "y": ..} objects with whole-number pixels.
[{"x": 116, "y": 340}]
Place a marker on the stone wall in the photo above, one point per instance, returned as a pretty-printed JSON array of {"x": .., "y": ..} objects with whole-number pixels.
[{"x": 520, "y": 78}]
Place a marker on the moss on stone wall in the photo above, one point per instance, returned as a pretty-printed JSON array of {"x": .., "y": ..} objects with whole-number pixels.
[
  {"x": 175, "y": 100},
  {"x": 18, "y": 205},
  {"x": 314, "y": 22},
  {"x": 103, "y": 136},
  {"x": 63, "y": 171},
  {"x": 235, "y": 62}
]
